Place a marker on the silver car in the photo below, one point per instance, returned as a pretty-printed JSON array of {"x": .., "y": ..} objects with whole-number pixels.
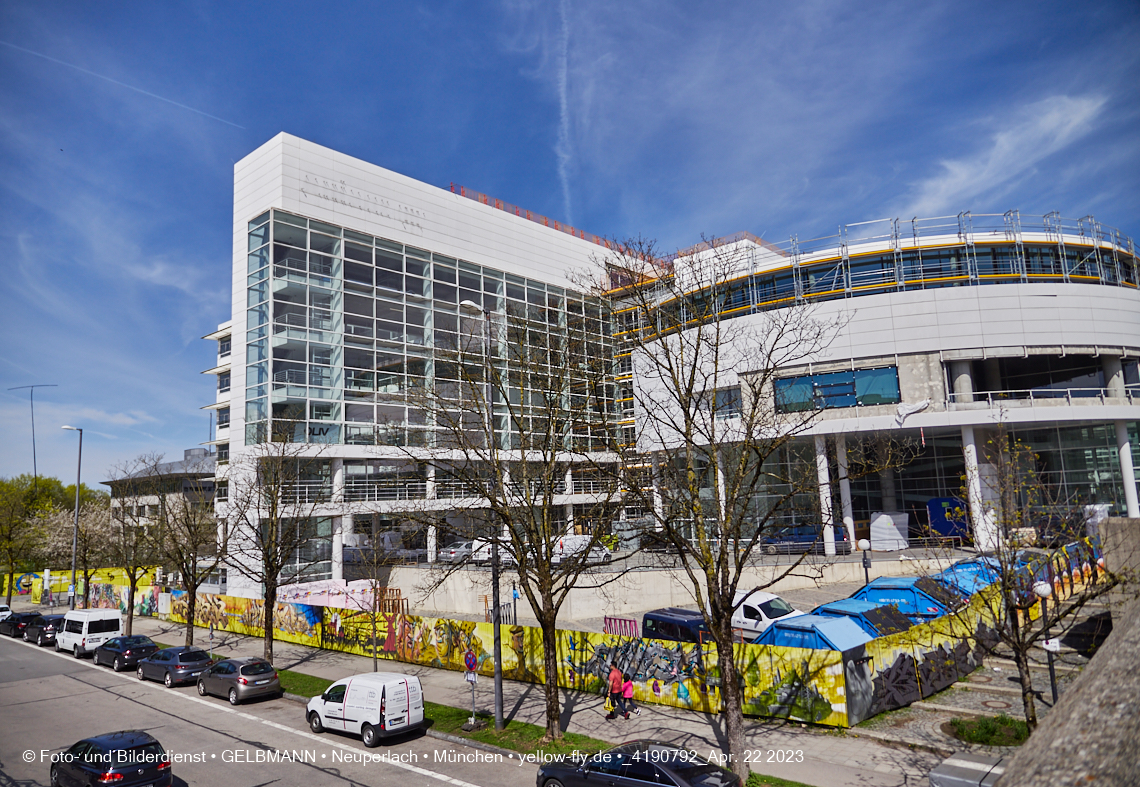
[
  {"x": 240, "y": 679},
  {"x": 456, "y": 553}
]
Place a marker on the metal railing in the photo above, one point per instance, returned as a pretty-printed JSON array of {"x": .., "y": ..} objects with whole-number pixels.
[
  {"x": 385, "y": 489},
  {"x": 1044, "y": 394},
  {"x": 302, "y": 492}
]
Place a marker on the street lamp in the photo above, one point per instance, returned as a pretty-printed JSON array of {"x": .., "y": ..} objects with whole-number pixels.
[
  {"x": 1043, "y": 590},
  {"x": 865, "y": 547},
  {"x": 471, "y": 306},
  {"x": 75, "y": 528}
]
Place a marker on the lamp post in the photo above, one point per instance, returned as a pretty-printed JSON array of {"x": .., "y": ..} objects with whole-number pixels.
[
  {"x": 865, "y": 547},
  {"x": 1043, "y": 590},
  {"x": 471, "y": 306},
  {"x": 75, "y": 528}
]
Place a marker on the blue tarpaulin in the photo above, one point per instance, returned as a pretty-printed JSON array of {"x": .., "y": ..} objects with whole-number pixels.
[
  {"x": 970, "y": 576},
  {"x": 878, "y": 620},
  {"x": 819, "y": 632},
  {"x": 919, "y": 598}
]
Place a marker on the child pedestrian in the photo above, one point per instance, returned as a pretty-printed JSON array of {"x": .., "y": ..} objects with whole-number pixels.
[{"x": 627, "y": 695}]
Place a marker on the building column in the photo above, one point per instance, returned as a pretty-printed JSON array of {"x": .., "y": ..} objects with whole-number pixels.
[
  {"x": 433, "y": 531},
  {"x": 845, "y": 489},
  {"x": 1127, "y": 471},
  {"x": 1114, "y": 376},
  {"x": 985, "y": 529},
  {"x": 823, "y": 473},
  {"x": 962, "y": 381},
  {"x": 338, "y": 521}
]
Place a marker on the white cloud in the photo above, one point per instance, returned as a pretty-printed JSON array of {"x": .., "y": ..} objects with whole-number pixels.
[{"x": 1035, "y": 132}]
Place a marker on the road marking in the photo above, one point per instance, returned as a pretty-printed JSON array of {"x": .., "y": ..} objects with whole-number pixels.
[{"x": 310, "y": 736}]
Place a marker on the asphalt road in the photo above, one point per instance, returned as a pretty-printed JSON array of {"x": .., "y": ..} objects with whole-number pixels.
[{"x": 48, "y": 701}]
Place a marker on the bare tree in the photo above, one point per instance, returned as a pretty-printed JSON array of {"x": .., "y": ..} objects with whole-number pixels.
[
  {"x": 519, "y": 406},
  {"x": 276, "y": 490},
  {"x": 137, "y": 494},
  {"x": 1041, "y": 548},
  {"x": 719, "y": 458}
]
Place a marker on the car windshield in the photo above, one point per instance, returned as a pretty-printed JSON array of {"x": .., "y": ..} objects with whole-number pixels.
[
  {"x": 776, "y": 608},
  {"x": 189, "y": 656},
  {"x": 257, "y": 668}
]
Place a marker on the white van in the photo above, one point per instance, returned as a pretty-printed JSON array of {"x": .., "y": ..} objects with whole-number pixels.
[
  {"x": 568, "y": 546},
  {"x": 83, "y": 630},
  {"x": 374, "y": 704},
  {"x": 754, "y": 612}
]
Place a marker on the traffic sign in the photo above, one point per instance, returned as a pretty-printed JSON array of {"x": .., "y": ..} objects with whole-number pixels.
[
  {"x": 471, "y": 677},
  {"x": 470, "y": 661}
]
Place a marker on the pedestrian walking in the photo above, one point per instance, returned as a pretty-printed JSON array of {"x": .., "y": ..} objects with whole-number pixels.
[
  {"x": 627, "y": 695},
  {"x": 615, "y": 684}
]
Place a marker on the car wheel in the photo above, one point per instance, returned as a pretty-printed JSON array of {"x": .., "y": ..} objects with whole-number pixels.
[
  {"x": 40, "y": 640},
  {"x": 117, "y": 664},
  {"x": 25, "y": 636},
  {"x": 54, "y": 777},
  {"x": 139, "y": 672},
  {"x": 234, "y": 697},
  {"x": 369, "y": 736},
  {"x": 201, "y": 689},
  {"x": 552, "y": 783},
  {"x": 771, "y": 549},
  {"x": 168, "y": 681},
  {"x": 57, "y": 647},
  {"x": 77, "y": 652},
  {"x": 315, "y": 722}
]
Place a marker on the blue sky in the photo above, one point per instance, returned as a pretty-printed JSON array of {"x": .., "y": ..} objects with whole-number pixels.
[{"x": 120, "y": 124}]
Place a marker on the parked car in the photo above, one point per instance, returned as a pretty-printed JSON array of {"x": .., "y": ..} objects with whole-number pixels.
[
  {"x": 674, "y": 623},
  {"x": 126, "y": 759},
  {"x": 43, "y": 629},
  {"x": 569, "y": 546},
  {"x": 456, "y": 553},
  {"x": 798, "y": 539},
  {"x": 481, "y": 553},
  {"x": 372, "y": 705},
  {"x": 174, "y": 665},
  {"x": 86, "y": 629},
  {"x": 754, "y": 612},
  {"x": 240, "y": 679},
  {"x": 124, "y": 652},
  {"x": 14, "y": 624},
  {"x": 638, "y": 762},
  {"x": 5, "y": 611}
]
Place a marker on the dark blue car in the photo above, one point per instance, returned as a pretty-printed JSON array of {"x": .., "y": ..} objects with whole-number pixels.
[{"x": 130, "y": 758}]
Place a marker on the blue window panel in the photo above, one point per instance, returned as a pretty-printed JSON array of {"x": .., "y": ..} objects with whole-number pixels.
[
  {"x": 793, "y": 394},
  {"x": 877, "y": 386}
]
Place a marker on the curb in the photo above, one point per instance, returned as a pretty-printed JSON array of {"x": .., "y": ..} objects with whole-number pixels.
[
  {"x": 906, "y": 743},
  {"x": 506, "y": 754}
]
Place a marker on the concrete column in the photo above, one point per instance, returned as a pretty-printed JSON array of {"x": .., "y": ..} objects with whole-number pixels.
[
  {"x": 338, "y": 521},
  {"x": 1127, "y": 471},
  {"x": 962, "y": 381},
  {"x": 887, "y": 488},
  {"x": 569, "y": 512},
  {"x": 985, "y": 529},
  {"x": 658, "y": 501},
  {"x": 570, "y": 480},
  {"x": 433, "y": 531},
  {"x": 721, "y": 494},
  {"x": 823, "y": 473},
  {"x": 338, "y": 548},
  {"x": 1113, "y": 376},
  {"x": 845, "y": 489}
]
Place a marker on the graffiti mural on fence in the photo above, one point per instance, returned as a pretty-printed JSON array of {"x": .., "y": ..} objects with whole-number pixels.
[
  {"x": 300, "y": 623},
  {"x": 107, "y": 596}
]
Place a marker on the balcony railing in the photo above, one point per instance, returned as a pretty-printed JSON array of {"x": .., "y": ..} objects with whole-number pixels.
[
  {"x": 386, "y": 489},
  {"x": 1132, "y": 392},
  {"x": 303, "y": 492}
]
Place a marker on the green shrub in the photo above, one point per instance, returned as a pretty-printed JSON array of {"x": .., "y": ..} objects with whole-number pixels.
[{"x": 1002, "y": 730}]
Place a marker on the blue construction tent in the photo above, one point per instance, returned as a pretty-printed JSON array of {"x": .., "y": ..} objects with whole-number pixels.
[
  {"x": 819, "y": 632},
  {"x": 878, "y": 620},
  {"x": 970, "y": 576},
  {"x": 919, "y": 598}
]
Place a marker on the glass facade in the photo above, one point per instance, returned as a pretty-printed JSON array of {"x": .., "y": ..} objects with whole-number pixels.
[
  {"x": 849, "y": 388},
  {"x": 343, "y": 329}
]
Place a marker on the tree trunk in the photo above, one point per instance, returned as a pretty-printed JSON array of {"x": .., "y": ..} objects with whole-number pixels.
[
  {"x": 733, "y": 706},
  {"x": 191, "y": 612},
  {"x": 130, "y": 604},
  {"x": 550, "y": 663},
  {"x": 268, "y": 605},
  {"x": 1020, "y": 643},
  {"x": 11, "y": 583}
]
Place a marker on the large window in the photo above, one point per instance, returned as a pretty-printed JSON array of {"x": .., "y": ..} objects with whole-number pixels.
[{"x": 851, "y": 388}]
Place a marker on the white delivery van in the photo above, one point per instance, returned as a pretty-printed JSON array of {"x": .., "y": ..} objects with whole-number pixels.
[
  {"x": 373, "y": 705},
  {"x": 83, "y": 630},
  {"x": 754, "y": 612}
]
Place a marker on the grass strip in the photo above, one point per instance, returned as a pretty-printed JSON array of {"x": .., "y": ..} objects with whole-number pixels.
[
  {"x": 301, "y": 684},
  {"x": 516, "y": 735},
  {"x": 1002, "y": 730},
  {"x": 760, "y": 780}
]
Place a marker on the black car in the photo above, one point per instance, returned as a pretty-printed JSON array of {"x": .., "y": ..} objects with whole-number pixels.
[
  {"x": 42, "y": 630},
  {"x": 126, "y": 759},
  {"x": 14, "y": 624},
  {"x": 124, "y": 652},
  {"x": 638, "y": 762},
  {"x": 174, "y": 665}
]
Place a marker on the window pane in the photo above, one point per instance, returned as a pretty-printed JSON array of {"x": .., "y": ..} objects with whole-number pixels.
[
  {"x": 294, "y": 236},
  {"x": 877, "y": 386}
]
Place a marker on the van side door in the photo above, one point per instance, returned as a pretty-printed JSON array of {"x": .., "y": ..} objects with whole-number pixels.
[
  {"x": 334, "y": 706},
  {"x": 362, "y": 704}
]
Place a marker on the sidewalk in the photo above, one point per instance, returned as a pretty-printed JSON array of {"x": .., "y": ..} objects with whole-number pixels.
[{"x": 829, "y": 759}]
